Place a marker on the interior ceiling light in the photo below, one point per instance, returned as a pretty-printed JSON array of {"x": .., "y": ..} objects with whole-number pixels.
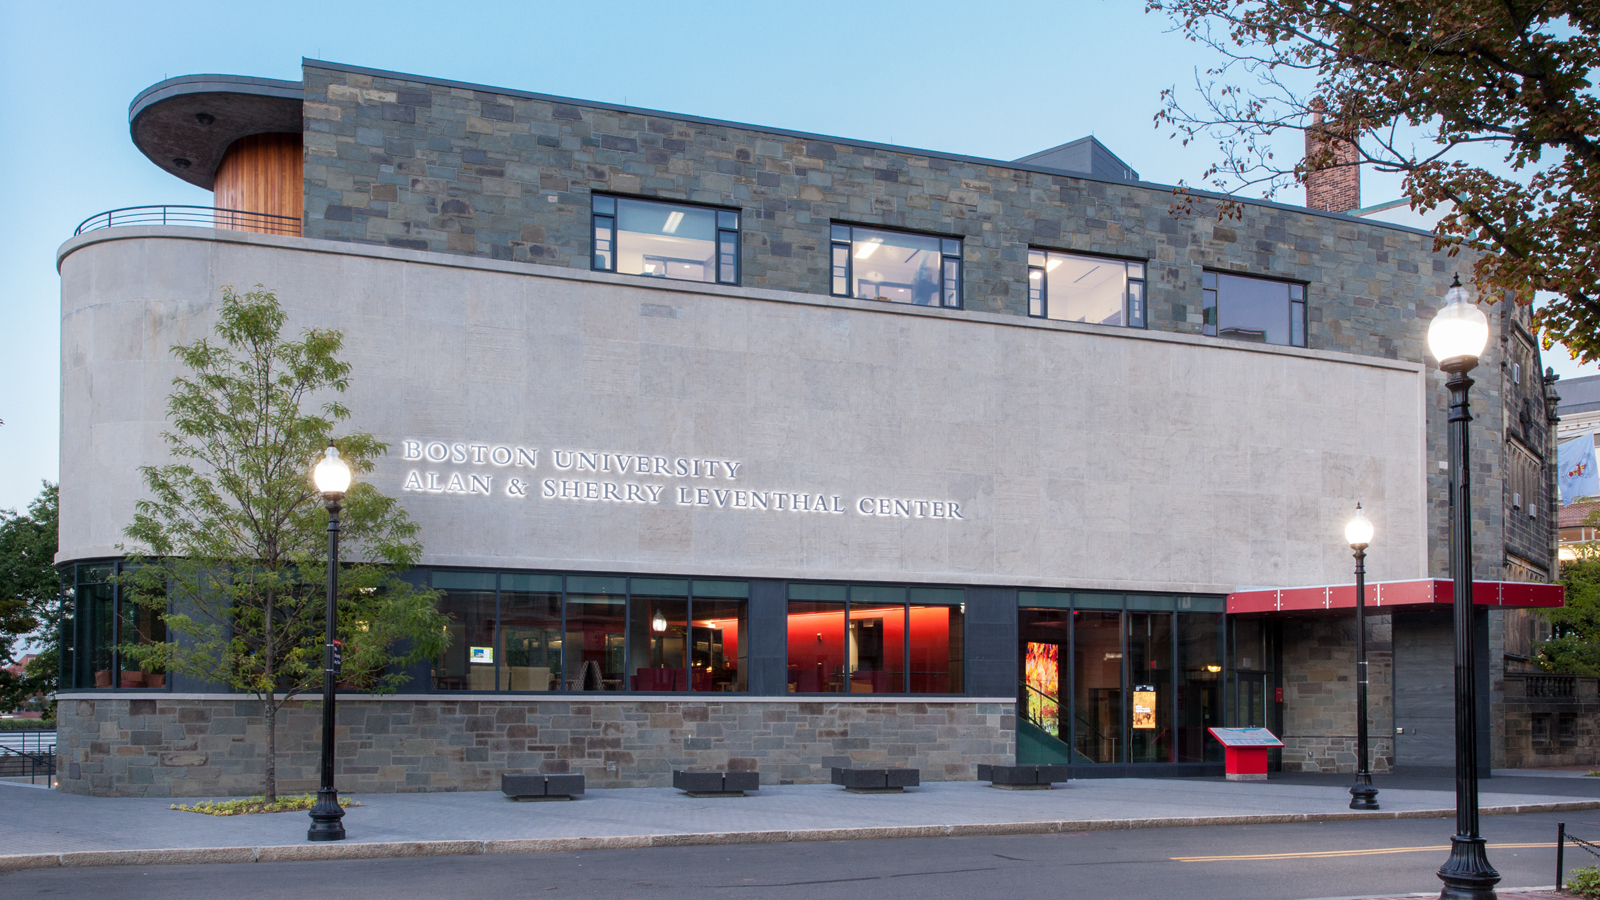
[
  {"x": 659, "y": 622},
  {"x": 204, "y": 118},
  {"x": 867, "y": 249},
  {"x": 181, "y": 163},
  {"x": 1051, "y": 265},
  {"x": 1035, "y": 275},
  {"x": 673, "y": 221}
]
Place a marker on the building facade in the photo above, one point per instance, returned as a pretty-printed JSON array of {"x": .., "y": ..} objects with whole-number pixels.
[{"x": 741, "y": 447}]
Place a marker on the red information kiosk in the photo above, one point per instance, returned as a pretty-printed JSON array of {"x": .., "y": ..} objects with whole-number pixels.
[{"x": 1247, "y": 751}]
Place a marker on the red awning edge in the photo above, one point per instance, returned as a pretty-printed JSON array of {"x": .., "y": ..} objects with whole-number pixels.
[{"x": 1385, "y": 595}]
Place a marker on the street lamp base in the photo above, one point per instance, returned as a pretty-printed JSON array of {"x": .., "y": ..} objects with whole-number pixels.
[
  {"x": 325, "y": 818},
  {"x": 1363, "y": 795},
  {"x": 1467, "y": 874}
]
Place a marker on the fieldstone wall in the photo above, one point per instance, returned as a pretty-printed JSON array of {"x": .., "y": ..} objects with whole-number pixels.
[
  {"x": 1578, "y": 747},
  {"x": 185, "y": 747},
  {"x": 1319, "y": 693}
]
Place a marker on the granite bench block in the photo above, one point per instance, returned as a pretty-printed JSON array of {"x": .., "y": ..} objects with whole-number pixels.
[
  {"x": 541, "y": 787},
  {"x": 715, "y": 784},
  {"x": 1018, "y": 778},
  {"x": 874, "y": 780}
]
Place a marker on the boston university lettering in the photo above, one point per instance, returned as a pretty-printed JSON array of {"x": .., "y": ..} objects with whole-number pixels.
[{"x": 729, "y": 449}]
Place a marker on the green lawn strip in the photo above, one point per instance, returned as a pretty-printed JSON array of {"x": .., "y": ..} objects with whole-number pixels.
[{"x": 248, "y": 806}]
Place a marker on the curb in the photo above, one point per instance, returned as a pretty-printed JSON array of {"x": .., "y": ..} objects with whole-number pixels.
[{"x": 407, "y": 849}]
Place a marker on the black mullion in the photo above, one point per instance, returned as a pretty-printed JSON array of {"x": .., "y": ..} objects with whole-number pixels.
[
  {"x": 1072, "y": 680},
  {"x": 1125, "y": 695},
  {"x": 905, "y": 640},
  {"x": 116, "y": 626},
  {"x": 566, "y": 671},
  {"x": 499, "y": 648},
  {"x": 627, "y": 626},
  {"x": 1172, "y": 702},
  {"x": 688, "y": 638}
]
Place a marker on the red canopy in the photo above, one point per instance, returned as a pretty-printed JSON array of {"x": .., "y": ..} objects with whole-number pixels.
[{"x": 1384, "y": 595}]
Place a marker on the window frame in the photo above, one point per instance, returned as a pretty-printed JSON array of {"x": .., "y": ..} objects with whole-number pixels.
[
  {"x": 952, "y": 255},
  {"x": 908, "y": 600},
  {"x": 726, "y": 251},
  {"x": 1298, "y": 319},
  {"x": 697, "y": 588},
  {"x": 1041, "y": 291}
]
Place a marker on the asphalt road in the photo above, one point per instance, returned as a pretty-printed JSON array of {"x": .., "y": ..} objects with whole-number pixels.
[{"x": 1341, "y": 859}]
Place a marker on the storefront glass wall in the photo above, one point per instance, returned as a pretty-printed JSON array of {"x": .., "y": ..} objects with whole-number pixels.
[
  {"x": 97, "y": 621},
  {"x": 875, "y": 639},
  {"x": 551, "y": 632},
  {"x": 1118, "y": 678}
]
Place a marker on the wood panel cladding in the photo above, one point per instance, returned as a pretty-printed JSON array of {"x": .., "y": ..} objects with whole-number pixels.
[{"x": 262, "y": 174}]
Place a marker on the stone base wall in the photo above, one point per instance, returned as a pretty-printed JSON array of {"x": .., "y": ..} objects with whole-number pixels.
[
  {"x": 1335, "y": 753},
  {"x": 1579, "y": 748},
  {"x": 174, "y": 747},
  {"x": 1319, "y": 694}
]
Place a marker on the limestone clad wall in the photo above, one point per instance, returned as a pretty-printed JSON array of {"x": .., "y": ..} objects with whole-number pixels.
[
  {"x": 1075, "y": 455},
  {"x": 181, "y": 746}
]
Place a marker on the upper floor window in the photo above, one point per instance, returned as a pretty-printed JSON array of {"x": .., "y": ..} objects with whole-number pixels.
[
  {"x": 873, "y": 264},
  {"x": 665, "y": 240},
  {"x": 1092, "y": 289},
  {"x": 1253, "y": 309}
]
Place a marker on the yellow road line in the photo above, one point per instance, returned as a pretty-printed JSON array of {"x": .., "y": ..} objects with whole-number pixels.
[{"x": 1324, "y": 854}]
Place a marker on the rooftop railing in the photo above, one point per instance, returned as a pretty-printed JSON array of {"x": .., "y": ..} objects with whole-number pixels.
[{"x": 202, "y": 216}]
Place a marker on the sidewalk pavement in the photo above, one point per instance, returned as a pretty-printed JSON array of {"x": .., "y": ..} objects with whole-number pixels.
[{"x": 44, "y": 828}]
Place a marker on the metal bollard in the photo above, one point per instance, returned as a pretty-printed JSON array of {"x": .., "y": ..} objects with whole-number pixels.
[{"x": 1561, "y": 846}]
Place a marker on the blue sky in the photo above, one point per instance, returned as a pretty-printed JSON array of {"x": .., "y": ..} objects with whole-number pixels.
[{"x": 994, "y": 79}]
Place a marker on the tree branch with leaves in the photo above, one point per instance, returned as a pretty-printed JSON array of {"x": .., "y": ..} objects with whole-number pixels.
[
  {"x": 1414, "y": 88},
  {"x": 229, "y": 548}
]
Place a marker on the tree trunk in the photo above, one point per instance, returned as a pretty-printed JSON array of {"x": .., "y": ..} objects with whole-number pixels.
[{"x": 270, "y": 709}]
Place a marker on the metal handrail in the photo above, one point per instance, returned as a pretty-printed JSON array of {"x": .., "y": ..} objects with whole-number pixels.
[{"x": 206, "y": 216}]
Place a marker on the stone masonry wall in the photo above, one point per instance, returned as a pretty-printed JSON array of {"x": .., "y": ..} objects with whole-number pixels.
[
  {"x": 176, "y": 747},
  {"x": 1581, "y": 748},
  {"x": 1319, "y": 693},
  {"x": 406, "y": 162}
]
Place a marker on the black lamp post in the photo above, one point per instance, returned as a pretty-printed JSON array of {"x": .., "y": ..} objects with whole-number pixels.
[
  {"x": 333, "y": 479},
  {"x": 1457, "y": 337},
  {"x": 1359, "y": 533}
]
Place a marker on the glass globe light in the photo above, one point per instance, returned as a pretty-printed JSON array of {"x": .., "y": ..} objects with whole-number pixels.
[
  {"x": 658, "y": 623},
  {"x": 332, "y": 474},
  {"x": 1460, "y": 330},
  {"x": 1358, "y": 531}
]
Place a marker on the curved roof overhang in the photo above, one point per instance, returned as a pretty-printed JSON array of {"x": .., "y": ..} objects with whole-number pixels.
[{"x": 185, "y": 124}]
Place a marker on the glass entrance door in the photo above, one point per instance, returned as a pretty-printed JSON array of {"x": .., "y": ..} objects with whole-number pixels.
[{"x": 1254, "y": 690}]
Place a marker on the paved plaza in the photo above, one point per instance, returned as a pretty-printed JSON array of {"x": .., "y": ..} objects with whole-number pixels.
[{"x": 49, "y": 828}]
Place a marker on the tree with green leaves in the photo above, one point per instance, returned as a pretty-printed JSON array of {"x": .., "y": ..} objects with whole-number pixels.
[
  {"x": 30, "y": 598},
  {"x": 1574, "y": 648},
  {"x": 1420, "y": 88},
  {"x": 229, "y": 550}
]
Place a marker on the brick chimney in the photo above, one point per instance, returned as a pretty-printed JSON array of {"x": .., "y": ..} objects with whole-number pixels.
[{"x": 1335, "y": 188}]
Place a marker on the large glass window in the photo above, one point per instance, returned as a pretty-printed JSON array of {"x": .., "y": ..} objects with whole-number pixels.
[
  {"x": 1259, "y": 310},
  {"x": 659, "y": 633},
  {"x": 875, "y": 639},
  {"x": 937, "y": 643},
  {"x": 1150, "y": 694},
  {"x": 875, "y": 264},
  {"x": 468, "y": 601},
  {"x": 665, "y": 240},
  {"x": 1094, "y": 289},
  {"x": 1046, "y": 649},
  {"x": 551, "y": 632},
  {"x": 719, "y": 650},
  {"x": 530, "y": 632},
  {"x": 595, "y": 649},
  {"x": 1199, "y": 683},
  {"x": 98, "y": 621},
  {"x": 817, "y": 638},
  {"x": 1097, "y": 685}
]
